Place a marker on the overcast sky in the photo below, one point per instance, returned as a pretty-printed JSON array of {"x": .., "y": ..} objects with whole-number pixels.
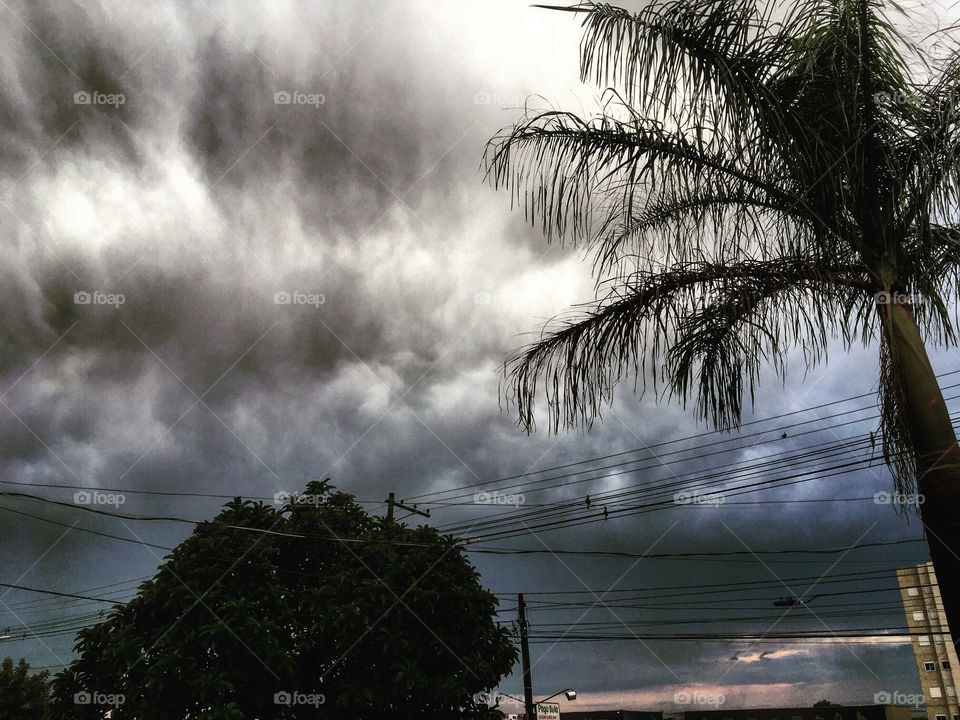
[{"x": 199, "y": 198}]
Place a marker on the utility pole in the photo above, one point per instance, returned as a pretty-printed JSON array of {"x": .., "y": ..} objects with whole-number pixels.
[
  {"x": 391, "y": 502},
  {"x": 525, "y": 660}
]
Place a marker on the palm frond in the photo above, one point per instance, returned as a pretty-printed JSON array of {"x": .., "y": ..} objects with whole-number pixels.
[
  {"x": 930, "y": 147},
  {"x": 675, "y": 226},
  {"x": 756, "y": 174},
  {"x": 561, "y": 168},
  {"x": 672, "y": 51},
  {"x": 712, "y": 320},
  {"x": 932, "y": 266},
  {"x": 897, "y": 444}
]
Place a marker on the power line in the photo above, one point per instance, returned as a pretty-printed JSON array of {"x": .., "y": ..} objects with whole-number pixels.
[
  {"x": 601, "y": 515},
  {"x": 726, "y": 553},
  {"x": 86, "y": 530},
  {"x": 32, "y": 603},
  {"x": 528, "y": 474},
  {"x": 779, "y": 593},
  {"x": 697, "y": 477},
  {"x": 852, "y": 443},
  {"x": 882, "y": 635},
  {"x": 503, "y": 551},
  {"x": 656, "y": 461},
  {"x": 683, "y": 439},
  {"x": 603, "y": 508},
  {"x": 162, "y": 493},
  {"x": 739, "y": 583},
  {"x": 54, "y": 592},
  {"x": 64, "y": 626},
  {"x": 568, "y": 506},
  {"x": 646, "y": 448}
]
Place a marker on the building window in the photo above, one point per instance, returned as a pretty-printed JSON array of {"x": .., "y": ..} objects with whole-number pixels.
[
  {"x": 951, "y": 691},
  {"x": 945, "y": 664},
  {"x": 912, "y": 592},
  {"x": 929, "y": 666},
  {"x": 941, "y": 717},
  {"x": 923, "y": 639},
  {"x": 935, "y": 692},
  {"x": 918, "y": 615}
]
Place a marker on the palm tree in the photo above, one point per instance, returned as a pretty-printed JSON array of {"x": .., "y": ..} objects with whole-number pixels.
[{"x": 757, "y": 180}]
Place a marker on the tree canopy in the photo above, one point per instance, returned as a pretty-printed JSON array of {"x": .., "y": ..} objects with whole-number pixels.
[
  {"x": 22, "y": 694},
  {"x": 315, "y": 609},
  {"x": 761, "y": 178}
]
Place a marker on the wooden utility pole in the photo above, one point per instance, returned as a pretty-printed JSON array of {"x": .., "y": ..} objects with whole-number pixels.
[
  {"x": 391, "y": 502},
  {"x": 525, "y": 660}
]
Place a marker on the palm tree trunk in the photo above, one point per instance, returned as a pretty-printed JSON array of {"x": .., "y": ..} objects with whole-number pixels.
[{"x": 938, "y": 466}]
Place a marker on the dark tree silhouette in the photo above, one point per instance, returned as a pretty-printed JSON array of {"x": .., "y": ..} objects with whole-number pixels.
[
  {"x": 760, "y": 179},
  {"x": 316, "y": 610},
  {"x": 22, "y": 694}
]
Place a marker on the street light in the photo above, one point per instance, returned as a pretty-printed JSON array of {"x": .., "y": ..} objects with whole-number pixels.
[{"x": 569, "y": 693}]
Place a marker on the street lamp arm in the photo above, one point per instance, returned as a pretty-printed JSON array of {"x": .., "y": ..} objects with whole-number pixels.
[{"x": 569, "y": 692}]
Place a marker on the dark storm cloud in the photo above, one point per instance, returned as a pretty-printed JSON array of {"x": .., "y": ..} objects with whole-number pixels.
[
  {"x": 200, "y": 198},
  {"x": 65, "y": 54}
]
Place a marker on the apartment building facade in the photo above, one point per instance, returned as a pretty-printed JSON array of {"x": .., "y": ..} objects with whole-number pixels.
[{"x": 933, "y": 649}]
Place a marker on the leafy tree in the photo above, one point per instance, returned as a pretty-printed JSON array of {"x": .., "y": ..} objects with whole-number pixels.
[
  {"x": 314, "y": 610},
  {"x": 23, "y": 695},
  {"x": 760, "y": 179}
]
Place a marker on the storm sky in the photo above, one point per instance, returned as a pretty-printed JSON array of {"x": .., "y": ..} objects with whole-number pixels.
[{"x": 179, "y": 179}]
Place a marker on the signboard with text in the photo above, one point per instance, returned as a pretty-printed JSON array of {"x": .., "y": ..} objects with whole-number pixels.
[{"x": 548, "y": 711}]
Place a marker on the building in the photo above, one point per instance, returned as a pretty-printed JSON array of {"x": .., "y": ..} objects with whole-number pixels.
[
  {"x": 831, "y": 712},
  {"x": 933, "y": 648},
  {"x": 613, "y": 715},
  {"x": 605, "y": 715}
]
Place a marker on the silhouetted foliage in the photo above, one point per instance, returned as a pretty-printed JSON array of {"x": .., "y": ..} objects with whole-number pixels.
[
  {"x": 22, "y": 694},
  {"x": 761, "y": 179},
  {"x": 756, "y": 175},
  {"x": 317, "y": 610}
]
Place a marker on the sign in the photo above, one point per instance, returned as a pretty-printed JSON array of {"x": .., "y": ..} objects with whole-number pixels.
[{"x": 548, "y": 711}]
